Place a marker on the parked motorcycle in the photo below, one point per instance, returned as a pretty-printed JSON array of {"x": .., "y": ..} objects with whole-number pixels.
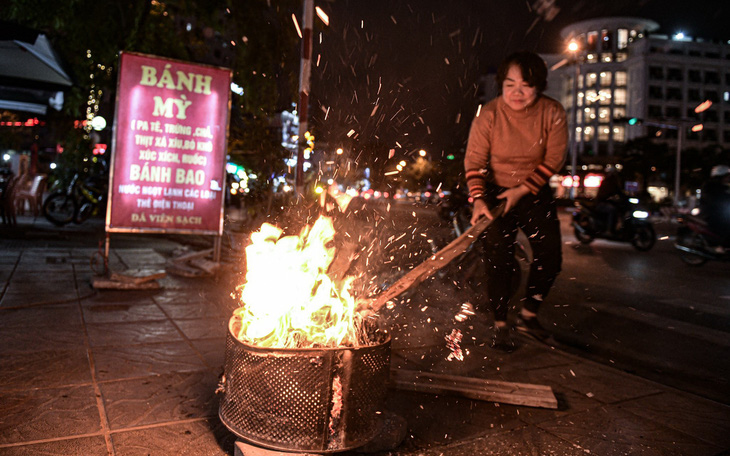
[
  {"x": 77, "y": 202},
  {"x": 697, "y": 244},
  {"x": 635, "y": 227}
]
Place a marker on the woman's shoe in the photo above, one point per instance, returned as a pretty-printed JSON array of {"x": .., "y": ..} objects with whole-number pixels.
[{"x": 503, "y": 339}]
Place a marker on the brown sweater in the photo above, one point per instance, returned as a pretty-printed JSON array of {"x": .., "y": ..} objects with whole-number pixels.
[{"x": 509, "y": 148}]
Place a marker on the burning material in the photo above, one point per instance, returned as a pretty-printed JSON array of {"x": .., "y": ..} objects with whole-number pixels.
[
  {"x": 453, "y": 343},
  {"x": 303, "y": 370},
  {"x": 289, "y": 300}
]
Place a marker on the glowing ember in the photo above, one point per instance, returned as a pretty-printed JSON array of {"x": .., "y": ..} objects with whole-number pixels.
[
  {"x": 453, "y": 342},
  {"x": 288, "y": 300}
]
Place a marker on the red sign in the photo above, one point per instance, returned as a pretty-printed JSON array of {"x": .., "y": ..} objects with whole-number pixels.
[{"x": 169, "y": 150}]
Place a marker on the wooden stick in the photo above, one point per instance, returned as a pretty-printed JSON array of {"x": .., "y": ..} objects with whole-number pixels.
[
  {"x": 435, "y": 261},
  {"x": 475, "y": 388}
]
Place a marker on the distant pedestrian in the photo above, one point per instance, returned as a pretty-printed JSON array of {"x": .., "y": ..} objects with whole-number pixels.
[{"x": 516, "y": 143}]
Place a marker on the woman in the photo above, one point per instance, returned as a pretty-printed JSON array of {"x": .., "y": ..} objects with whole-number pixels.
[{"x": 516, "y": 143}]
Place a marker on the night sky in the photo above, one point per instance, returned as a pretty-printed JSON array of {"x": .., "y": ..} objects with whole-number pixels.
[{"x": 403, "y": 74}]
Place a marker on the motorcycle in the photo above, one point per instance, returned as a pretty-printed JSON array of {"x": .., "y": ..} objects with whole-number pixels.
[
  {"x": 77, "y": 202},
  {"x": 697, "y": 244},
  {"x": 635, "y": 227}
]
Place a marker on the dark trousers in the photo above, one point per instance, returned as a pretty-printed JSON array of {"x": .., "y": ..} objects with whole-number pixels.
[{"x": 537, "y": 216}]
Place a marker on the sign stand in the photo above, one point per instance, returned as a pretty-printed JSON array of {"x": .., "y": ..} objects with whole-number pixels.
[{"x": 168, "y": 162}]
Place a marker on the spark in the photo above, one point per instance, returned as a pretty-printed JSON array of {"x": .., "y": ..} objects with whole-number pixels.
[
  {"x": 296, "y": 24},
  {"x": 322, "y": 15}
]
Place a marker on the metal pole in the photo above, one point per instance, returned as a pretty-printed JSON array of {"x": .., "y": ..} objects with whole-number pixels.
[
  {"x": 305, "y": 71},
  {"x": 680, "y": 134},
  {"x": 573, "y": 132}
]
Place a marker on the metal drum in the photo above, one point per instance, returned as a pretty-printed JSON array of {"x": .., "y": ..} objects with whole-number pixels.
[{"x": 306, "y": 400}]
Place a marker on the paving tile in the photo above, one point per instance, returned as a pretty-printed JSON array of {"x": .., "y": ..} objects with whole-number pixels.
[
  {"x": 193, "y": 308},
  {"x": 86, "y": 446},
  {"x": 49, "y": 285},
  {"x": 42, "y": 414},
  {"x": 8, "y": 258},
  {"x": 44, "y": 368},
  {"x": 195, "y": 438},
  {"x": 120, "y": 312},
  {"x": 599, "y": 382},
  {"x": 23, "y": 299},
  {"x": 136, "y": 332},
  {"x": 41, "y": 337},
  {"x": 204, "y": 328},
  {"x": 121, "y": 296},
  {"x": 213, "y": 351},
  {"x": 161, "y": 398},
  {"x": 143, "y": 360},
  {"x": 701, "y": 418},
  {"x": 42, "y": 276},
  {"x": 31, "y": 317},
  {"x": 609, "y": 431},
  {"x": 441, "y": 420},
  {"x": 526, "y": 440},
  {"x": 37, "y": 264}
]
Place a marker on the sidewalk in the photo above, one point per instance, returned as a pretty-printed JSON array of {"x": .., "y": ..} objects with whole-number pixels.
[{"x": 86, "y": 372}]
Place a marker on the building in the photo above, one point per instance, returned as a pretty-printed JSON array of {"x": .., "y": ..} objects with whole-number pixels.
[{"x": 624, "y": 71}]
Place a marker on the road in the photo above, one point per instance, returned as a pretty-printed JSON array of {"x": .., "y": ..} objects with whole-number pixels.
[{"x": 647, "y": 313}]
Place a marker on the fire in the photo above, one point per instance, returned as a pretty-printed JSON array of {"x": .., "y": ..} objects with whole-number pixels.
[{"x": 288, "y": 300}]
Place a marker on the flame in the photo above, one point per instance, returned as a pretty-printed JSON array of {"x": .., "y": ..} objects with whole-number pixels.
[{"x": 288, "y": 300}]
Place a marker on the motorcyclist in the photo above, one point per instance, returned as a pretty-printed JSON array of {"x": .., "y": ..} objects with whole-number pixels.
[
  {"x": 611, "y": 201},
  {"x": 715, "y": 204}
]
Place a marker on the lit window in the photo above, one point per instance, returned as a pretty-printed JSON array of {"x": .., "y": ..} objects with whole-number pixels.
[
  {"x": 620, "y": 79},
  {"x": 623, "y": 39},
  {"x": 603, "y": 133},
  {"x": 605, "y": 79},
  {"x": 619, "y": 133},
  {"x": 619, "y": 96},
  {"x": 591, "y": 79}
]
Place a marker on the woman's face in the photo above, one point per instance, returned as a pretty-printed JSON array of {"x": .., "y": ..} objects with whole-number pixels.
[{"x": 516, "y": 92}]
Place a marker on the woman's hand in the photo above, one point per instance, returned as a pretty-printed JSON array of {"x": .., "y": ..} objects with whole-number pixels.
[
  {"x": 512, "y": 196},
  {"x": 480, "y": 210}
]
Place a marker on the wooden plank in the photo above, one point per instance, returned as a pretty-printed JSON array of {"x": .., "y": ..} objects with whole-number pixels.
[
  {"x": 193, "y": 255},
  {"x": 475, "y": 388},
  {"x": 210, "y": 267},
  {"x": 137, "y": 275},
  {"x": 184, "y": 270},
  {"x": 434, "y": 262},
  {"x": 107, "y": 284}
]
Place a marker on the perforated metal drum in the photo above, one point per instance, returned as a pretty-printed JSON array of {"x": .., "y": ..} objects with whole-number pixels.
[{"x": 306, "y": 400}]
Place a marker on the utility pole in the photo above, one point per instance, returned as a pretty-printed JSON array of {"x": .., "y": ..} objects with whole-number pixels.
[
  {"x": 573, "y": 48},
  {"x": 574, "y": 132}
]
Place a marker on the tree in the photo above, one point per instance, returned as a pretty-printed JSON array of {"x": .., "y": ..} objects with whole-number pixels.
[{"x": 256, "y": 39}]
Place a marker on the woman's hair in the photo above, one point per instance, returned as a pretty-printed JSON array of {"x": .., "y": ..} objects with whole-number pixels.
[{"x": 533, "y": 67}]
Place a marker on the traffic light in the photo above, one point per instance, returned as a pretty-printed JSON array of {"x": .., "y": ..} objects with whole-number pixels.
[{"x": 629, "y": 120}]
